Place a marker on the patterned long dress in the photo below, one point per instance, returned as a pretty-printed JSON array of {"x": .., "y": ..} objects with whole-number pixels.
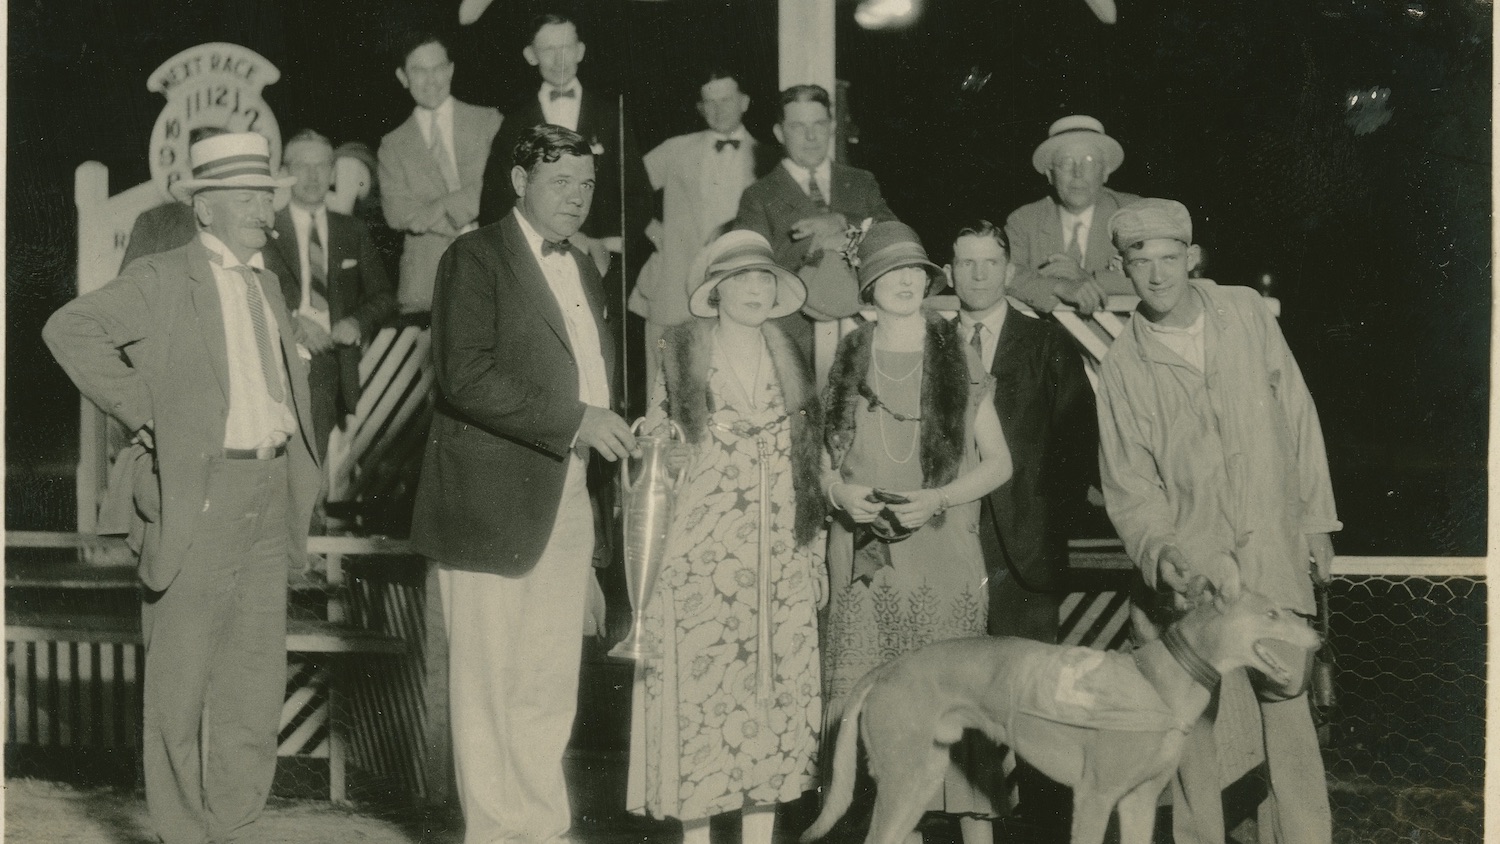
[
  {"x": 934, "y": 588},
  {"x": 729, "y": 717}
]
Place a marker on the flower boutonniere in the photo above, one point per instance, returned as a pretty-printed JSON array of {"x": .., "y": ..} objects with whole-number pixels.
[{"x": 852, "y": 238}]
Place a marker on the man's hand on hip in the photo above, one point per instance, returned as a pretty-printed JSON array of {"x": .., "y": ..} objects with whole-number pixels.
[{"x": 605, "y": 432}]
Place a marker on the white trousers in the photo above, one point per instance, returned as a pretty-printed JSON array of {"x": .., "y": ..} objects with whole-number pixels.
[{"x": 514, "y": 645}]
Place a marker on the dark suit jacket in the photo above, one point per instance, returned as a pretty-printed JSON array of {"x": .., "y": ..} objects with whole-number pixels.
[
  {"x": 150, "y": 346},
  {"x": 507, "y": 404},
  {"x": 1035, "y": 231},
  {"x": 357, "y": 287},
  {"x": 599, "y": 124},
  {"x": 1046, "y": 409},
  {"x": 775, "y": 201}
]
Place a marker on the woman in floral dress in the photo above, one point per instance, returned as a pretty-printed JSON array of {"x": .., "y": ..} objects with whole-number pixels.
[
  {"x": 728, "y": 717},
  {"x": 909, "y": 420}
]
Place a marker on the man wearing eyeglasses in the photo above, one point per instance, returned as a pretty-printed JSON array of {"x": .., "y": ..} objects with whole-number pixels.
[
  {"x": 804, "y": 206},
  {"x": 1060, "y": 244}
]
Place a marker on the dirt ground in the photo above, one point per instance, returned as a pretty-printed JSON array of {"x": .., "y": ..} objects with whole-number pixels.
[{"x": 39, "y": 812}]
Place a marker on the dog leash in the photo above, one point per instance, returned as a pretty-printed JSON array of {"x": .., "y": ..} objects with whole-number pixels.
[{"x": 1195, "y": 665}]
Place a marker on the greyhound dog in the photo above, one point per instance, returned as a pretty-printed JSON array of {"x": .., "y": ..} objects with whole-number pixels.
[{"x": 1110, "y": 725}]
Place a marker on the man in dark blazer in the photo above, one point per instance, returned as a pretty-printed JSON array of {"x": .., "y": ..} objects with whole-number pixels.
[
  {"x": 562, "y": 100},
  {"x": 1060, "y": 243},
  {"x": 194, "y": 352},
  {"x": 332, "y": 278},
  {"x": 431, "y": 167},
  {"x": 1046, "y": 409},
  {"x": 805, "y": 206},
  {"x": 521, "y": 350}
]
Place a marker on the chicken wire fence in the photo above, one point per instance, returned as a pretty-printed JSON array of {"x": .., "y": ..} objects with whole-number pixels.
[{"x": 1404, "y": 735}]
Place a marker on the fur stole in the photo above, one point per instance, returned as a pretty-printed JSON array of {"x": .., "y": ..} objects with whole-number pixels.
[
  {"x": 945, "y": 399},
  {"x": 687, "y": 353}
]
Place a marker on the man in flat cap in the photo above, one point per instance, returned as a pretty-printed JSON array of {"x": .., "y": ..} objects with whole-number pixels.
[
  {"x": 1213, "y": 469},
  {"x": 1059, "y": 243},
  {"x": 193, "y": 351}
]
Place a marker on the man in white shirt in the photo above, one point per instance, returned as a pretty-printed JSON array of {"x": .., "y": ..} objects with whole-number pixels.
[
  {"x": 193, "y": 351},
  {"x": 332, "y": 279},
  {"x": 701, "y": 175},
  {"x": 432, "y": 167},
  {"x": 1060, "y": 243},
  {"x": 522, "y": 352}
]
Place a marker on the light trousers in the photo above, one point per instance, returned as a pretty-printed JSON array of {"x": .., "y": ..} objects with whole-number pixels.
[{"x": 514, "y": 646}]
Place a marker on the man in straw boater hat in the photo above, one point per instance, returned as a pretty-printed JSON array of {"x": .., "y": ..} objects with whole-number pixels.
[
  {"x": 1234, "y": 491},
  {"x": 1060, "y": 243},
  {"x": 192, "y": 350}
]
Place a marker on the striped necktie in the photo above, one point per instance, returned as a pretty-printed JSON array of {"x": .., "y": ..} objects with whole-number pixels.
[
  {"x": 976, "y": 340},
  {"x": 257, "y": 303},
  {"x": 317, "y": 269}
]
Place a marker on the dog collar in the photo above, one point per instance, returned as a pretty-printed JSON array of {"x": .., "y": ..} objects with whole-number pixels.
[{"x": 1196, "y": 666}]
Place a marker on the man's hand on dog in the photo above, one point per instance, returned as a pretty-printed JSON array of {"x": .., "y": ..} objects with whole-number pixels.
[
  {"x": 857, "y": 501},
  {"x": 1320, "y": 547},
  {"x": 1220, "y": 571}
]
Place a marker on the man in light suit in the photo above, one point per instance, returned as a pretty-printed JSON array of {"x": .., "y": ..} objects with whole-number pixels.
[
  {"x": 193, "y": 351},
  {"x": 1046, "y": 408},
  {"x": 701, "y": 176},
  {"x": 332, "y": 278},
  {"x": 431, "y": 167},
  {"x": 522, "y": 351},
  {"x": 1060, "y": 244},
  {"x": 805, "y": 206}
]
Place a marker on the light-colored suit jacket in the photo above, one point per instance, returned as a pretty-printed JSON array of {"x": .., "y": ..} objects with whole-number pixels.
[
  {"x": 1035, "y": 232},
  {"x": 675, "y": 167},
  {"x": 416, "y": 198},
  {"x": 150, "y": 345}
]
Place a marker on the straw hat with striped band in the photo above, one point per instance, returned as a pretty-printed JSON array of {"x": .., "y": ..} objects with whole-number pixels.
[{"x": 230, "y": 160}]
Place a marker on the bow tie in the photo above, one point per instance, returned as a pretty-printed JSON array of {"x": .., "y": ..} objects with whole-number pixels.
[
  {"x": 560, "y": 247},
  {"x": 726, "y": 142},
  {"x": 556, "y": 94}
]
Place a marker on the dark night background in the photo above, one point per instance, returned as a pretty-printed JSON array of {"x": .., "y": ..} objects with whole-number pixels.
[{"x": 1378, "y": 244}]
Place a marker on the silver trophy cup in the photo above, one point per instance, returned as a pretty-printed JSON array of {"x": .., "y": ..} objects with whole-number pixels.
[{"x": 648, "y": 491}]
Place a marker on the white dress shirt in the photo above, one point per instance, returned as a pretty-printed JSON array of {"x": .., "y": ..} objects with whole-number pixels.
[
  {"x": 303, "y": 220},
  {"x": 1069, "y": 220},
  {"x": 726, "y": 172},
  {"x": 255, "y": 420},
  {"x": 562, "y": 111},
  {"x": 561, "y": 271},
  {"x": 823, "y": 173},
  {"x": 989, "y": 337}
]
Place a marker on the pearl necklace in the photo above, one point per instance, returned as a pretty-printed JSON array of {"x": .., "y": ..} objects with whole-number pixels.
[{"x": 916, "y": 431}]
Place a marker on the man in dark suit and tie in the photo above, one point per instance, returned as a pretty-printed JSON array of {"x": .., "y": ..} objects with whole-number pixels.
[
  {"x": 194, "y": 352},
  {"x": 805, "y": 206},
  {"x": 556, "y": 51},
  {"x": 1046, "y": 408},
  {"x": 522, "y": 351},
  {"x": 431, "y": 167},
  {"x": 332, "y": 278},
  {"x": 1060, "y": 243}
]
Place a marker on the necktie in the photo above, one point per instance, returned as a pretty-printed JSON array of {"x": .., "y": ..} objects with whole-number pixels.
[
  {"x": 439, "y": 147},
  {"x": 257, "y": 305},
  {"x": 317, "y": 269},
  {"x": 976, "y": 340},
  {"x": 726, "y": 142},
  {"x": 1075, "y": 249},
  {"x": 554, "y": 95},
  {"x": 815, "y": 192},
  {"x": 560, "y": 247}
]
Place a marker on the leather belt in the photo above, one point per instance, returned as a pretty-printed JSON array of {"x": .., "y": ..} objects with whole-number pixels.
[{"x": 264, "y": 453}]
